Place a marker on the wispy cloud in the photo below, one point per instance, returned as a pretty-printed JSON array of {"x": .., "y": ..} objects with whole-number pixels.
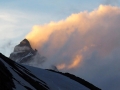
[{"x": 13, "y": 26}]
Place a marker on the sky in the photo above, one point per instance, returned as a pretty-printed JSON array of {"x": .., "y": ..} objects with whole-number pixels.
[
  {"x": 18, "y": 17},
  {"x": 78, "y": 36}
]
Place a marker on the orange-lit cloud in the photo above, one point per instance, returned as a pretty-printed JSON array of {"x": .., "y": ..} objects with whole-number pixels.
[
  {"x": 74, "y": 64},
  {"x": 80, "y": 34},
  {"x": 61, "y": 66}
]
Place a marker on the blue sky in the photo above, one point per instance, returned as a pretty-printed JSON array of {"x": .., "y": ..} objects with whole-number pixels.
[{"x": 17, "y": 17}]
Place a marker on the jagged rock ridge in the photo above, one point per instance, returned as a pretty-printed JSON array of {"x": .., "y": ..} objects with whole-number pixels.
[{"x": 23, "y": 53}]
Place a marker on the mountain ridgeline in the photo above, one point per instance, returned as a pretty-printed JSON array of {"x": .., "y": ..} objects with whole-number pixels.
[{"x": 15, "y": 75}]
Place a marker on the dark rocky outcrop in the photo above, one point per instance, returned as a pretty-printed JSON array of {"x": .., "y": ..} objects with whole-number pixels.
[{"x": 6, "y": 78}]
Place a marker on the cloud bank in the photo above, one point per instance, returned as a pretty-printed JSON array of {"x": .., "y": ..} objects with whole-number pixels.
[{"x": 86, "y": 44}]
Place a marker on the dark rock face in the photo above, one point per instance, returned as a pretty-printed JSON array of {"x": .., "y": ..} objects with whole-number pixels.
[
  {"x": 23, "y": 53},
  {"x": 8, "y": 80}
]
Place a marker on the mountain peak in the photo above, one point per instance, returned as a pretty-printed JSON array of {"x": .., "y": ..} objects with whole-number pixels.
[
  {"x": 25, "y": 42},
  {"x": 23, "y": 52}
]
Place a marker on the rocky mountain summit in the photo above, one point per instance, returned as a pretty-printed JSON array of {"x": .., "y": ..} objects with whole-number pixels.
[
  {"x": 23, "y": 53},
  {"x": 14, "y": 75}
]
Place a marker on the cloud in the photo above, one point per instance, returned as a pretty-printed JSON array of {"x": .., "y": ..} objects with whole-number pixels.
[
  {"x": 76, "y": 62},
  {"x": 79, "y": 32},
  {"x": 85, "y": 44},
  {"x": 6, "y": 46},
  {"x": 10, "y": 29}
]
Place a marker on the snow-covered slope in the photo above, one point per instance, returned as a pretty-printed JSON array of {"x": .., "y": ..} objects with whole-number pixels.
[{"x": 14, "y": 76}]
